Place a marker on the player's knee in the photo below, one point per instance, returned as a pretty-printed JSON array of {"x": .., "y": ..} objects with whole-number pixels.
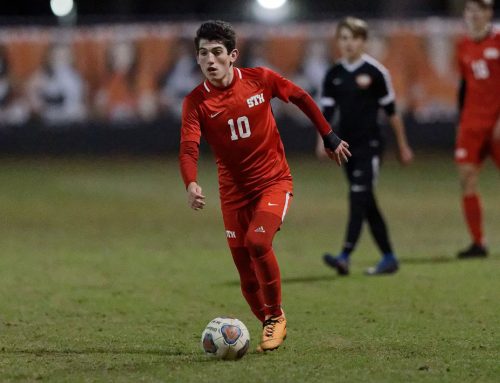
[
  {"x": 249, "y": 285},
  {"x": 359, "y": 198},
  {"x": 360, "y": 191},
  {"x": 468, "y": 179},
  {"x": 258, "y": 243}
]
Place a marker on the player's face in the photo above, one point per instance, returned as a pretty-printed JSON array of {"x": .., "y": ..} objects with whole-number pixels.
[
  {"x": 476, "y": 17},
  {"x": 215, "y": 61},
  {"x": 351, "y": 48}
]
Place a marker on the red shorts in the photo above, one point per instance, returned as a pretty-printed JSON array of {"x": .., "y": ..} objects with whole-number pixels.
[
  {"x": 473, "y": 146},
  {"x": 275, "y": 200}
]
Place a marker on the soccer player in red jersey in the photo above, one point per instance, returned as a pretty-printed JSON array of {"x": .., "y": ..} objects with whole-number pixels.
[
  {"x": 479, "y": 128},
  {"x": 231, "y": 109}
]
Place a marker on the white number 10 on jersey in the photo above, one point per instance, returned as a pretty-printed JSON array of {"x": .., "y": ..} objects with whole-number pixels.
[{"x": 243, "y": 128}]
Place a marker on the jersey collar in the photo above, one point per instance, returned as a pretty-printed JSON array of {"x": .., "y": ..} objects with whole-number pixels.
[
  {"x": 487, "y": 33},
  {"x": 237, "y": 75},
  {"x": 351, "y": 67}
]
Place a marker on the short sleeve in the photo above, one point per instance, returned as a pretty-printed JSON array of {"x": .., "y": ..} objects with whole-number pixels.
[
  {"x": 383, "y": 87},
  {"x": 327, "y": 91}
]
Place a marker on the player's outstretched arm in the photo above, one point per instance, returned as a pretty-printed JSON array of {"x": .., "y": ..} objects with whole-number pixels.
[
  {"x": 196, "y": 200},
  {"x": 336, "y": 149}
]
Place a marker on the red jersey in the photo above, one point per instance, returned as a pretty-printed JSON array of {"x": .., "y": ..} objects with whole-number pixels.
[
  {"x": 479, "y": 64},
  {"x": 238, "y": 123}
]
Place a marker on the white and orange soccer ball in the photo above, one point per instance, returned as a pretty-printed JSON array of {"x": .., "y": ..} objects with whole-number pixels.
[{"x": 225, "y": 338}]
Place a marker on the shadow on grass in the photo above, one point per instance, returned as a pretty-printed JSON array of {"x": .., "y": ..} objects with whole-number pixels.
[
  {"x": 433, "y": 259},
  {"x": 182, "y": 357},
  {"x": 308, "y": 279},
  {"x": 445, "y": 259},
  {"x": 93, "y": 350},
  {"x": 291, "y": 280}
]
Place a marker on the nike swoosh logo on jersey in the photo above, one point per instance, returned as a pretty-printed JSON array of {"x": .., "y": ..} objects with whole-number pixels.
[
  {"x": 272, "y": 204},
  {"x": 215, "y": 114},
  {"x": 337, "y": 81}
]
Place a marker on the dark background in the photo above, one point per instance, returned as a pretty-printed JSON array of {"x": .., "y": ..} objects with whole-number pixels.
[
  {"x": 89, "y": 10},
  {"x": 155, "y": 137}
]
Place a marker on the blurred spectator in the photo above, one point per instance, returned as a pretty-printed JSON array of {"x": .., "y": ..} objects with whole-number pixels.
[
  {"x": 435, "y": 95},
  {"x": 309, "y": 75},
  {"x": 254, "y": 55},
  {"x": 183, "y": 76},
  {"x": 124, "y": 84},
  {"x": 13, "y": 109},
  {"x": 315, "y": 64},
  {"x": 57, "y": 91},
  {"x": 126, "y": 95}
]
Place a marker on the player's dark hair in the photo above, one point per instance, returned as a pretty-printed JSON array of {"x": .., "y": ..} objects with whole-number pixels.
[
  {"x": 216, "y": 30},
  {"x": 358, "y": 27},
  {"x": 486, "y": 4}
]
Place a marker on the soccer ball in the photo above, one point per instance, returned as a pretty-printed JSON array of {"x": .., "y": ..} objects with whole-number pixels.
[{"x": 225, "y": 338}]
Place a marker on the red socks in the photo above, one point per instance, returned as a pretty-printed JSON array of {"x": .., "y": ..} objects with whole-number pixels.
[
  {"x": 268, "y": 274},
  {"x": 260, "y": 281},
  {"x": 474, "y": 217},
  {"x": 258, "y": 267},
  {"x": 249, "y": 284}
]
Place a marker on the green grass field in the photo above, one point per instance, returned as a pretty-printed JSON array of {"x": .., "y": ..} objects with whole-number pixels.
[{"x": 107, "y": 276}]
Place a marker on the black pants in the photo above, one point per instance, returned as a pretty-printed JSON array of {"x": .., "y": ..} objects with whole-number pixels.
[{"x": 362, "y": 172}]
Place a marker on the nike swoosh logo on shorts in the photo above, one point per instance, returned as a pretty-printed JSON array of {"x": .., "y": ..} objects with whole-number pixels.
[{"x": 272, "y": 204}]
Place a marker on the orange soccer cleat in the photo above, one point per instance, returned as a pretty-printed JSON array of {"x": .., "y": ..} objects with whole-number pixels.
[{"x": 273, "y": 333}]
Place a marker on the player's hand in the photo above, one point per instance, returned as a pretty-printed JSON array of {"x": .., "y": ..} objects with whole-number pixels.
[
  {"x": 336, "y": 149},
  {"x": 405, "y": 155},
  {"x": 196, "y": 200},
  {"x": 341, "y": 154}
]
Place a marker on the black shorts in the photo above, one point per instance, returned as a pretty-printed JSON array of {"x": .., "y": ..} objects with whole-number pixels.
[{"x": 362, "y": 172}]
